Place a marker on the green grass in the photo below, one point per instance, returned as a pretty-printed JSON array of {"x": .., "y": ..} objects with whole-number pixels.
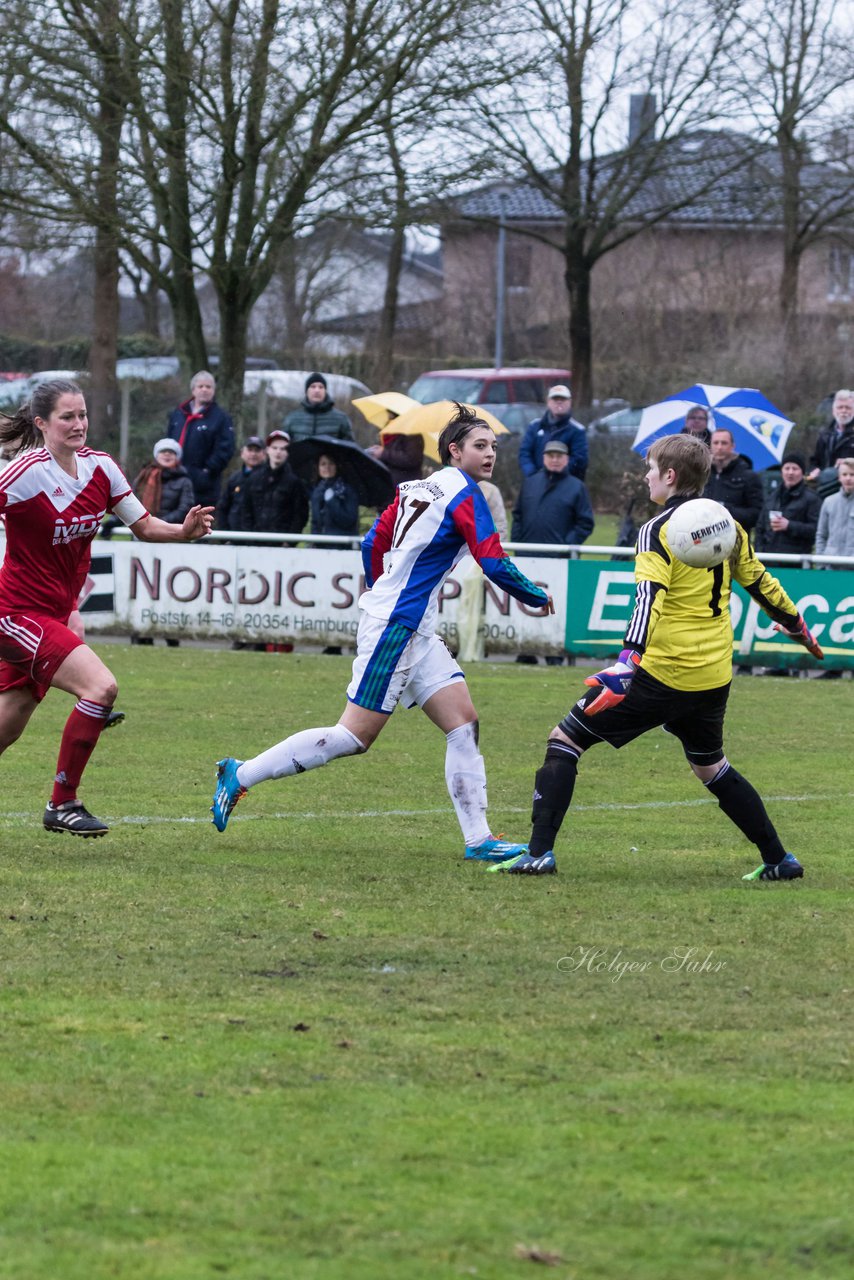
[{"x": 319, "y": 1045}]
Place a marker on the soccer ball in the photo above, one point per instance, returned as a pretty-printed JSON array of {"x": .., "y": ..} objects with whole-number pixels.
[{"x": 701, "y": 533}]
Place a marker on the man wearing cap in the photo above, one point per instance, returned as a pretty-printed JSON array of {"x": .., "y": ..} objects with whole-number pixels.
[
  {"x": 206, "y": 435},
  {"x": 553, "y": 506},
  {"x": 230, "y": 513},
  {"x": 556, "y": 423},
  {"x": 275, "y": 500},
  {"x": 789, "y": 518},
  {"x": 317, "y": 415}
]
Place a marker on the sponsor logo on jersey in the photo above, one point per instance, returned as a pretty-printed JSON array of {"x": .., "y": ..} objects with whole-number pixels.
[
  {"x": 57, "y": 493},
  {"x": 65, "y": 531}
]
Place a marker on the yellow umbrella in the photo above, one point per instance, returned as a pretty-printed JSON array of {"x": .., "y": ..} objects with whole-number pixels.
[
  {"x": 384, "y": 407},
  {"x": 430, "y": 420}
]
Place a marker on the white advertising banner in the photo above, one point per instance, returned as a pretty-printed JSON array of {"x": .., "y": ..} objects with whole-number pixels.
[{"x": 302, "y": 595}]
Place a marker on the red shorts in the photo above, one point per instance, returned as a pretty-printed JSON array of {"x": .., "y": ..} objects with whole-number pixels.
[{"x": 32, "y": 649}]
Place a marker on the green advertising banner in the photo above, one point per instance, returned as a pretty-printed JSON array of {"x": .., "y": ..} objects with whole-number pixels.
[{"x": 600, "y": 597}]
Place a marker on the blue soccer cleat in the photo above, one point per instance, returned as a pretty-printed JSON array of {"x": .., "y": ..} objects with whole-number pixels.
[
  {"x": 528, "y": 864},
  {"x": 788, "y": 869},
  {"x": 228, "y": 791},
  {"x": 492, "y": 850}
]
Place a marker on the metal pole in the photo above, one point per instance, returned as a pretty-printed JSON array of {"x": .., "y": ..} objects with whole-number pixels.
[
  {"x": 499, "y": 281},
  {"x": 124, "y": 423}
]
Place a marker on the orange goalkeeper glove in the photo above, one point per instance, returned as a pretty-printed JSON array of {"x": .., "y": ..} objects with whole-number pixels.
[
  {"x": 615, "y": 682},
  {"x": 801, "y": 634}
]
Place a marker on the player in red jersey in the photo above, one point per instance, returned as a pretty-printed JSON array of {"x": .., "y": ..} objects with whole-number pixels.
[{"x": 53, "y": 496}]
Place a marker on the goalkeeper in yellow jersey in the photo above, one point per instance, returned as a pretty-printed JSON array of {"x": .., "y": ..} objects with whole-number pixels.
[{"x": 675, "y": 672}]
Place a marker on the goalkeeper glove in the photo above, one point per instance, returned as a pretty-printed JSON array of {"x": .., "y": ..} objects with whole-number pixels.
[
  {"x": 615, "y": 682},
  {"x": 801, "y": 634}
]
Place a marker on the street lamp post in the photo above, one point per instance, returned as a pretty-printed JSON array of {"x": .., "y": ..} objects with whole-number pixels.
[{"x": 500, "y": 264}]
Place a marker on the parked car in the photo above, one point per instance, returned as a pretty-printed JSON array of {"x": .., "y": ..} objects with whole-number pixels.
[
  {"x": 622, "y": 422},
  {"x": 514, "y": 395}
]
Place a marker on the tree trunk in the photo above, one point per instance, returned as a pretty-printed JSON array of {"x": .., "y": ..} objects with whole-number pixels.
[
  {"x": 234, "y": 312},
  {"x": 105, "y": 324},
  {"x": 789, "y": 149},
  {"x": 189, "y": 334},
  {"x": 294, "y": 320},
  {"x": 577, "y": 277},
  {"x": 384, "y": 359}
]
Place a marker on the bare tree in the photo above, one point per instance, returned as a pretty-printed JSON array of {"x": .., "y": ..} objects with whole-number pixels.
[
  {"x": 795, "y": 69},
  {"x": 65, "y": 146},
  {"x": 237, "y": 118},
  {"x": 555, "y": 129}
]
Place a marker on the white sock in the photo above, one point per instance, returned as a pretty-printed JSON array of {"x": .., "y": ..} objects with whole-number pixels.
[
  {"x": 302, "y": 751},
  {"x": 465, "y": 774}
]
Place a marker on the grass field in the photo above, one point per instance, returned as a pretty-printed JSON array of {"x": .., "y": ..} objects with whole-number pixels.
[{"x": 319, "y": 1045}]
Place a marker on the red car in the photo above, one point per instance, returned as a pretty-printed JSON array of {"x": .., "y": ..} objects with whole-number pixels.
[{"x": 515, "y": 395}]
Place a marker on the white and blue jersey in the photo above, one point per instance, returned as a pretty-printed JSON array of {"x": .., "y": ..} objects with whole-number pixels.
[{"x": 417, "y": 541}]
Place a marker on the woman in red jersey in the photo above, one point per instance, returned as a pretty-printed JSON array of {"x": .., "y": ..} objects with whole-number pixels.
[{"x": 53, "y": 496}]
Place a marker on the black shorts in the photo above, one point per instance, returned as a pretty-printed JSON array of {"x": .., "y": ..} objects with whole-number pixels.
[{"x": 696, "y": 719}]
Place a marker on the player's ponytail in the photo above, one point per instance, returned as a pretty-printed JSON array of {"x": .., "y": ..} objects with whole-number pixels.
[
  {"x": 20, "y": 429},
  {"x": 463, "y": 421}
]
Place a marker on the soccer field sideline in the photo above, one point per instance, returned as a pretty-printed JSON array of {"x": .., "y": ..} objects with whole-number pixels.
[{"x": 314, "y": 815}]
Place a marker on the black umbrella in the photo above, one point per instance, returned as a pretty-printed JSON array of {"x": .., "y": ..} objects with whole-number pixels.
[{"x": 368, "y": 476}]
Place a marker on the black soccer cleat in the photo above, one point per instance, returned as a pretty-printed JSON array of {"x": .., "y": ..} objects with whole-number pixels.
[
  {"x": 74, "y": 818},
  {"x": 788, "y": 869},
  {"x": 114, "y": 718}
]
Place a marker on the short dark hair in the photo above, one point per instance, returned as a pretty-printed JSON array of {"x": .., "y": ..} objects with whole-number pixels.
[
  {"x": 463, "y": 422},
  {"x": 687, "y": 456}
]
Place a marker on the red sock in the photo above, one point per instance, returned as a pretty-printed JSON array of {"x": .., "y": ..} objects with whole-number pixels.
[{"x": 81, "y": 732}]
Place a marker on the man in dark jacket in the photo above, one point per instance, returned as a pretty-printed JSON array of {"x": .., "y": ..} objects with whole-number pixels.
[
  {"x": 275, "y": 501},
  {"x": 206, "y": 435},
  {"x": 317, "y": 415},
  {"x": 553, "y": 506},
  {"x": 229, "y": 512},
  {"x": 789, "y": 519},
  {"x": 733, "y": 482},
  {"x": 837, "y": 440},
  {"x": 556, "y": 423}
]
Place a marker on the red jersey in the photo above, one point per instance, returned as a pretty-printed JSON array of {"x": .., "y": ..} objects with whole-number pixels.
[{"x": 51, "y": 519}]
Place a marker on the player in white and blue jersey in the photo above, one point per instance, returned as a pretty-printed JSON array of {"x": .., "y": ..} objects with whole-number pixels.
[{"x": 410, "y": 551}]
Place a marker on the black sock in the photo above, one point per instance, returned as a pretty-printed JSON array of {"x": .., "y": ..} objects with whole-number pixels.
[
  {"x": 743, "y": 805},
  {"x": 553, "y": 789}
]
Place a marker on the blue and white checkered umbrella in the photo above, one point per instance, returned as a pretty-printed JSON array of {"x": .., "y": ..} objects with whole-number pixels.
[{"x": 759, "y": 430}]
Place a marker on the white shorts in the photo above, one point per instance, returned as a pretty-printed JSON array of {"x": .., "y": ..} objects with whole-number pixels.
[{"x": 395, "y": 664}]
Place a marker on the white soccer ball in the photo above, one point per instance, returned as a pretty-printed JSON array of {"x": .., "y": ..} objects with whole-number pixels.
[{"x": 701, "y": 533}]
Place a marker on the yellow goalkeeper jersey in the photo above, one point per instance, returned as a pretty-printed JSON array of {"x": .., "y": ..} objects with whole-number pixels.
[{"x": 681, "y": 623}]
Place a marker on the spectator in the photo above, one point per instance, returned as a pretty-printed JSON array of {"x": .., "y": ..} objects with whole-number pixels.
[
  {"x": 556, "y": 423},
  {"x": 317, "y": 415},
  {"x": 403, "y": 455},
  {"x": 163, "y": 487},
  {"x": 835, "y": 535},
  {"x": 697, "y": 424},
  {"x": 275, "y": 502},
  {"x": 230, "y": 513},
  {"x": 733, "y": 482},
  {"x": 205, "y": 433},
  {"x": 789, "y": 518},
  {"x": 553, "y": 506},
  {"x": 837, "y": 440},
  {"x": 334, "y": 502}
]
